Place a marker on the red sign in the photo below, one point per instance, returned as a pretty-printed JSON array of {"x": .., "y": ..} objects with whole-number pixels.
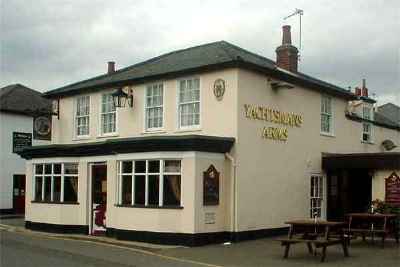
[{"x": 392, "y": 190}]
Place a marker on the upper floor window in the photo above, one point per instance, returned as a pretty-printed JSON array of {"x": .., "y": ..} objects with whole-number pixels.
[
  {"x": 55, "y": 182},
  {"x": 189, "y": 102},
  {"x": 326, "y": 115},
  {"x": 154, "y": 106},
  {"x": 82, "y": 116},
  {"x": 108, "y": 114},
  {"x": 367, "y": 126}
]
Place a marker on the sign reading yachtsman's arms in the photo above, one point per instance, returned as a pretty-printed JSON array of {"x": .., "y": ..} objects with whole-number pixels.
[{"x": 275, "y": 116}]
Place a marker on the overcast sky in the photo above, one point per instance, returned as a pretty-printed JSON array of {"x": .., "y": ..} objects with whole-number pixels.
[{"x": 46, "y": 44}]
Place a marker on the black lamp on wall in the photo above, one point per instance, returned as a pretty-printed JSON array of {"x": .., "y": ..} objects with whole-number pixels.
[{"x": 120, "y": 98}]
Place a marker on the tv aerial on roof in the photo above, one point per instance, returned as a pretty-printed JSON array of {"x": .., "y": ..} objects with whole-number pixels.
[{"x": 300, "y": 13}]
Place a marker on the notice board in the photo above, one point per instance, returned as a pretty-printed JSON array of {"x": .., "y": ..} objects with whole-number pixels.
[
  {"x": 21, "y": 141},
  {"x": 392, "y": 190}
]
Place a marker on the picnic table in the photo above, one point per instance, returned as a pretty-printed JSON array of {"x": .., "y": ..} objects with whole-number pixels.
[
  {"x": 371, "y": 224},
  {"x": 320, "y": 233}
]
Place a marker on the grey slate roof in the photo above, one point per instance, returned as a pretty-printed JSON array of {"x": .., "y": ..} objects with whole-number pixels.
[
  {"x": 213, "y": 55},
  {"x": 391, "y": 112},
  {"x": 17, "y": 98},
  {"x": 381, "y": 118}
]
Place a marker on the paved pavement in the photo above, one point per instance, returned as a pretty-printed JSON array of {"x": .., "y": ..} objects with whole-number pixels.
[{"x": 27, "y": 248}]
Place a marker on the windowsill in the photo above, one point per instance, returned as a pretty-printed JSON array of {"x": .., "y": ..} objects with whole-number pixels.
[
  {"x": 327, "y": 134},
  {"x": 55, "y": 202},
  {"x": 368, "y": 142},
  {"x": 149, "y": 206},
  {"x": 185, "y": 130},
  {"x": 108, "y": 135},
  {"x": 155, "y": 131},
  {"x": 84, "y": 137}
]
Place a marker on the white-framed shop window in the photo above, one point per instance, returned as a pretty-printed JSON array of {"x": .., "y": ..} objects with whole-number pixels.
[
  {"x": 366, "y": 125},
  {"x": 82, "y": 116},
  {"x": 108, "y": 113},
  {"x": 189, "y": 103},
  {"x": 316, "y": 195},
  {"x": 55, "y": 182},
  {"x": 154, "y": 107},
  {"x": 326, "y": 115},
  {"x": 155, "y": 182}
]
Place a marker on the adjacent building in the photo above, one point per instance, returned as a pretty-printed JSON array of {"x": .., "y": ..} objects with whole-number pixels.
[
  {"x": 207, "y": 144},
  {"x": 19, "y": 106}
]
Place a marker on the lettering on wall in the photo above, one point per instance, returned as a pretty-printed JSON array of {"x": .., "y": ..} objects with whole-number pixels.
[
  {"x": 274, "y": 116},
  {"x": 392, "y": 189}
]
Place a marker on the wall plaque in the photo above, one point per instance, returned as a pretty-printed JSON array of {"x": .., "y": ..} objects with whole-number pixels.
[
  {"x": 21, "y": 141},
  {"x": 211, "y": 187},
  {"x": 219, "y": 89},
  {"x": 42, "y": 127},
  {"x": 392, "y": 190}
]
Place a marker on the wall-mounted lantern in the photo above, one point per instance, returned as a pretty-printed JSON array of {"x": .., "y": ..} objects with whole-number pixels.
[{"x": 121, "y": 99}]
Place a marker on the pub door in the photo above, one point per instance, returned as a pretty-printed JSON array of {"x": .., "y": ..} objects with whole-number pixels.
[
  {"x": 19, "y": 193},
  {"x": 348, "y": 191},
  {"x": 99, "y": 199}
]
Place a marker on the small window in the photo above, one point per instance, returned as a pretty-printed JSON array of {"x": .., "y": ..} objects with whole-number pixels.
[
  {"x": 155, "y": 182},
  {"x": 108, "y": 114},
  {"x": 367, "y": 125},
  {"x": 326, "y": 115},
  {"x": 189, "y": 103},
  {"x": 154, "y": 106},
  {"x": 316, "y": 196},
  {"x": 82, "y": 116}
]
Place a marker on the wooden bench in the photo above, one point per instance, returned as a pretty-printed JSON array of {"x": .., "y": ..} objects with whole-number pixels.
[{"x": 318, "y": 243}]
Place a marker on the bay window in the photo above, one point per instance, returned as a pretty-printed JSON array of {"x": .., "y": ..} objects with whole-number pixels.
[
  {"x": 189, "y": 103},
  {"x": 55, "y": 182},
  {"x": 150, "y": 183}
]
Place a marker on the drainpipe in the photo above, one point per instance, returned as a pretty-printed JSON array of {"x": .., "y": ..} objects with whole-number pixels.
[{"x": 234, "y": 194}]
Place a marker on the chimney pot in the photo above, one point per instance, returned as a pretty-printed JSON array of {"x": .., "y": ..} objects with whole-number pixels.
[
  {"x": 358, "y": 91},
  {"x": 286, "y": 37},
  {"x": 111, "y": 67}
]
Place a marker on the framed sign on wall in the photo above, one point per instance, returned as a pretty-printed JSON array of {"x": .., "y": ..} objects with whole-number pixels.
[
  {"x": 21, "y": 141},
  {"x": 392, "y": 190},
  {"x": 211, "y": 187}
]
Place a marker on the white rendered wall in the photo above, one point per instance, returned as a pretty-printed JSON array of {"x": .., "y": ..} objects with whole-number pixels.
[{"x": 11, "y": 163}]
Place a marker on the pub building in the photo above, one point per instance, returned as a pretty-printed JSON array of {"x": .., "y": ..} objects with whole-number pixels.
[{"x": 208, "y": 144}]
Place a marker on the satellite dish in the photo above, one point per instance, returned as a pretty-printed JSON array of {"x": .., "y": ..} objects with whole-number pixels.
[{"x": 388, "y": 145}]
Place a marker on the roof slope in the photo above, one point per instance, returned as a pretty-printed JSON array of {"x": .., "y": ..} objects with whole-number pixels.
[
  {"x": 17, "y": 98},
  {"x": 217, "y": 54},
  {"x": 390, "y": 111}
]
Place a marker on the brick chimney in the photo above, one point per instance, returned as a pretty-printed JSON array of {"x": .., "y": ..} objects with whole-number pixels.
[
  {"x": 287, "y": 55},
  {"x": 111, "y": 67},
  {"x": 358, "y": 91}
]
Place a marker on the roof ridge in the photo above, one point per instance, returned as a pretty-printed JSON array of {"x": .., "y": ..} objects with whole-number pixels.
[
  {"x": 249, "y": 52},
  {"x": 136, "y": 65}
]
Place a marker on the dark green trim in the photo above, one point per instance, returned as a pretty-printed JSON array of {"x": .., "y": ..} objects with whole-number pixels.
[
  {"x": 201, "y": 143},
  {"x": 54, "y": 202},
  {"x": 355, "y": 117},
  {"x": 6, "y": 211},
  {"x": 370, "y": 161},
  {"x": 149, "y": 207}
]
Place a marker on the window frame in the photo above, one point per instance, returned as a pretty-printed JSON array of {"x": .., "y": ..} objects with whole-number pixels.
[
  {"x": 330, "y": 116},
  {"x": 161, "y": 173},
  {"x": 368, "y": 123},
  {"x": 102, "y": 133},
  {"x": 76, "y": 118},
  {"x": 52, "y": 176},
  {"x": 317, "y": 194},
  {"x": 145, "y": 125},
  {"x": 178, "y": 112}
]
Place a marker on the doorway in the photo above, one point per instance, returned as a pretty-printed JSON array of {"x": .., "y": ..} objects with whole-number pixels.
[
  {"x": 98, "y": 206},
  {"x": 348, "y": 191},
  {"x": 19, "y": 193}
]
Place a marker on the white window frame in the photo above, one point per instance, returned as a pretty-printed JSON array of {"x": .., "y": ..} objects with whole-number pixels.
[
  {"x": 188, "y": 127},
  {"x": 317, "y": 193},
  {"x": 161, "y": 174},
  {"x": 330, "y": 115},
  {"x": 44, "y": 176},
  {"x": 369, "y": 117},
  {"x": 76, "y": 117},
  {"x": 101, "y": 113},
  {"x": 146, "y": 108}
]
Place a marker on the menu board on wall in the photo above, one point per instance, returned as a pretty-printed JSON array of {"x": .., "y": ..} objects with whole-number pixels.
[{"x": 392, "y": 190}]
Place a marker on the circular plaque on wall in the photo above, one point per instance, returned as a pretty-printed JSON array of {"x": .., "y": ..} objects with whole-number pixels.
[{"x": 219, "y": 89}]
